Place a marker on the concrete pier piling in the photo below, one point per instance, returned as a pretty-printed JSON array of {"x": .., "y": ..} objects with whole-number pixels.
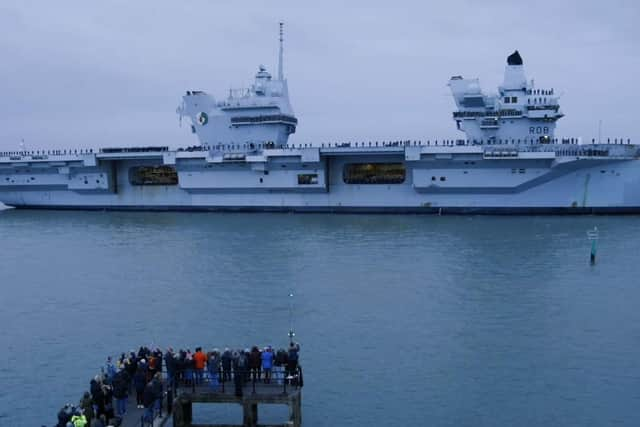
[{"x": 264, "y": 395}]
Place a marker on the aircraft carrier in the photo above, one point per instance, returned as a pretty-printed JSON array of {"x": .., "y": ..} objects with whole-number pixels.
[{"x": 508, "y": 161}]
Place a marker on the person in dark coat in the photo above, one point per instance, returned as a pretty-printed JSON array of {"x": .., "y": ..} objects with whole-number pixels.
[
  {"x": 87, "y": 406},
  {"x": 255, "y": 363},
  {"x": 97, "y": 396},
  {"x": 213, "y": 366},
  {"x": 108, "y": 401},
  {"x": 158, "y": 355},
  {"x": 64, "y": 416},
  {"x": 130, "y": 366},
  {"x": 121, "y": 392},
  {"x": 156, "y": 386},
  {"x": 292, "y": 360},
  {"x": 170, "y": 363},
  {"x": 226, "y": 359},
  {"x": 179, "y": 364},
  {"x": 140, "y": 382},
  {"x": 239, "y": 371},
  {"x": 280, "y": 365},
  {"x": 189, "y": 368},
  {"x": 148, "y": 400},
  {"x": 101, "y": 421}
]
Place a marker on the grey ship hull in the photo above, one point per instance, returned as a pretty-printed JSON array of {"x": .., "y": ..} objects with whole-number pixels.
[{"x": 558, "y": 179}]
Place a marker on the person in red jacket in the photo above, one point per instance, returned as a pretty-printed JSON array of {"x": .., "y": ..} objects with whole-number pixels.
[{"x": 199, "y": 361}]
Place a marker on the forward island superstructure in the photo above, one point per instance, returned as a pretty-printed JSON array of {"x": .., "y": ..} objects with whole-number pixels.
[{"x": 509, "y": 162}]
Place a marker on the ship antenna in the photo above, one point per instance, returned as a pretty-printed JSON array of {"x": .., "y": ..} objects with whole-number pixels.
[
  {"x": 280, "y": 72},
  {"x": 599, "y": 131}
]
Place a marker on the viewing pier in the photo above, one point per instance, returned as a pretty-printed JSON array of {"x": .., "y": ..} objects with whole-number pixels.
[{"x": 152, "y": 388}]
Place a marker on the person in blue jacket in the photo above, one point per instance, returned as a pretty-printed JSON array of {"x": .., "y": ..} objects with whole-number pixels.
[{"x": 267, "y": 363}]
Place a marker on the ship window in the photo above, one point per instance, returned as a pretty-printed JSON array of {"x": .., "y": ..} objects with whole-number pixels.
[
  {"x": 443, "y": 178},
  {"x": 514, "y": 99},
  {"x": 153, "y": 175},
  {"x": 507, "y": 100},
  {"x": 374, "y": 173},
  {"x": 307, "y": 178}
]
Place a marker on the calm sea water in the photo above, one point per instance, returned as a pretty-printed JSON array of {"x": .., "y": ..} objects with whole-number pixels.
[{"x": 403, "y": 320}]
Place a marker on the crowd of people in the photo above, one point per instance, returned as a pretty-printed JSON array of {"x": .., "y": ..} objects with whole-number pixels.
[
  {"x": 260, "y": 365},
  {"x": 105, "y": 404}
]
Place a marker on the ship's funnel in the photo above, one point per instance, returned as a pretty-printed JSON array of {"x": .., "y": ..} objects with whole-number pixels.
[
  {"x": 514, "y": 59},
  {"x": 514, "y": 78}
]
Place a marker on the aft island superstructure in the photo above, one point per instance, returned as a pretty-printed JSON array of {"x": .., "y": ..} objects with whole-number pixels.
[{"x": 509, "y": 162}]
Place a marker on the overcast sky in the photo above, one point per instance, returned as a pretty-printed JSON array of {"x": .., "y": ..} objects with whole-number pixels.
[{"x": 111, "y": 73}]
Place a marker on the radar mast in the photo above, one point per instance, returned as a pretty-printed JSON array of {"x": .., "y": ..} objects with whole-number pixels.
[{"x": 280, "y": 71}]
